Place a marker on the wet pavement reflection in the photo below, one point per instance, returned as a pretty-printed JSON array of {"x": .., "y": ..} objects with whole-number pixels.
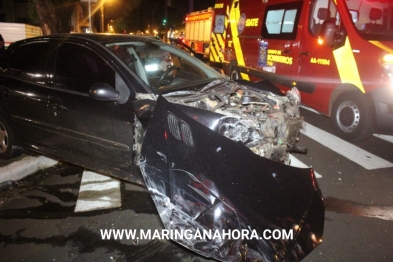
[{"x": 357, "y": 209}]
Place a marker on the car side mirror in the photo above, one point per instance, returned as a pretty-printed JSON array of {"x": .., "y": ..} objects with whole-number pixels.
[
  {"x": 331, "y": 35},
  {"x": 103, "y": 92}
]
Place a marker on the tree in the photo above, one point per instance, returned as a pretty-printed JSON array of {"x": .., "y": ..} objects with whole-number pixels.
[
  {"x": 119, "y": 12},
  {"x": 54, "y": 15}
]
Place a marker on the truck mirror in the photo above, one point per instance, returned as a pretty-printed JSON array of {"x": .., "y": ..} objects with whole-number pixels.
[{"x": 332, "y": 36}]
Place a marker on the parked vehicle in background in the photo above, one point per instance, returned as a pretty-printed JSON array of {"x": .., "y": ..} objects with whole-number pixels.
[
  {"x": 198, "y": 30},
  {"x": 12, "y": 32},
  {"x": 179, "y": 43},
  {"x": 213, "y": 153},
  {"x": 340, "y": 53}
]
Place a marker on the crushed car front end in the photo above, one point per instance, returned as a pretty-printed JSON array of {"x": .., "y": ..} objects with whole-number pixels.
[
  {"x": 255, "y": 209},
  {"x": 215, "y": 156}
]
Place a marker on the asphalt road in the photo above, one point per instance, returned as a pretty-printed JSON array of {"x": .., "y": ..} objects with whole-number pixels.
[{"x": 38, "y": 221}]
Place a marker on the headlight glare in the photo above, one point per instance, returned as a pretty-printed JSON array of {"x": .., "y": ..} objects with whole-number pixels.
[{"x": 387, "y": 62}]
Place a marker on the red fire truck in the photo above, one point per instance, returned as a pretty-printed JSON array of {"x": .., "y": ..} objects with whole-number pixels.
[
  {"x": 198, "y": 30},
  {"x": 338, "y": 52}
]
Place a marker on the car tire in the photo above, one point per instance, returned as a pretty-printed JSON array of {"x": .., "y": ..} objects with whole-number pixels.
[
  {"x": 351, "y": 117},
  {"x": 7, "y": 141},
  {"x": 235, "y": 74}
]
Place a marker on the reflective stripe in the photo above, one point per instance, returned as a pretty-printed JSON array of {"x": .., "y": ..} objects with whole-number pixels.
[
  {"x": 346, "y": 65},
  {"x": 234, "y": 16},
  {"x": 215, "y": 49},
  {"x": 382, "y": 46}
]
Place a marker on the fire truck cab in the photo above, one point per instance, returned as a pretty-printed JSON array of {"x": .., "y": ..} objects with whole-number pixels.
[{"x": 339, "y": 53}]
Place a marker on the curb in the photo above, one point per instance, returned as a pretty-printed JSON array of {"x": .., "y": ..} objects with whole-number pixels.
[{"x": 24, "y": 167}]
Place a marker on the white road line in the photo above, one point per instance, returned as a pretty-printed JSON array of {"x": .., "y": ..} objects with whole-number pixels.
[
  {"x": 385, "y": 137},
  {"x": 98, "y": 192},
  {"x": 24, "y": 167},
  {"x": 297, "y": 163},
  {"x": 361, "y": 157}
]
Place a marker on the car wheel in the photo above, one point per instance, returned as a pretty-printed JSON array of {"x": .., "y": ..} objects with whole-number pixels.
[
  {"x": 235, "y": 75},
  {"x": 7, "y": 140},
  {"x": 351, "y": 117}
]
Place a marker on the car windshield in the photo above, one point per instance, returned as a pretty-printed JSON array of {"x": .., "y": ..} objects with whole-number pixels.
[
  {"x": 162, "y": 66},
  {"x": 372, "y": 17}
]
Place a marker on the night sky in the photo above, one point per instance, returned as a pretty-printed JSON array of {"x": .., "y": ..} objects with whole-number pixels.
[{"x": 150, "y": 14}]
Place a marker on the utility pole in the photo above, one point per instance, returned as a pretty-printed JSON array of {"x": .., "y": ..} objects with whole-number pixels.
[
  {"x": 102, "y": 16},
  {"x": 165, "y": 19}
]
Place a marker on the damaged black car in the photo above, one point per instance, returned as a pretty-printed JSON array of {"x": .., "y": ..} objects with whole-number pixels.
[{"x": 213, "y": 153}]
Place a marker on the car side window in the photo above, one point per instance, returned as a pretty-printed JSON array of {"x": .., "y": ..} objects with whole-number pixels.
[
  {"x": 78, "y": 68},
  {"x": 281, "y": 21},
  {"x": 28, "y": 62}
]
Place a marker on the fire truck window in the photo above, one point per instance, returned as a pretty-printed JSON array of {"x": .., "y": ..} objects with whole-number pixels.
[
  {"x": 289, "y": 21},
  {"x": 280, "y": 21},
  {"x": 274, "y": 21},
  {"x": 321, "y": 11}
]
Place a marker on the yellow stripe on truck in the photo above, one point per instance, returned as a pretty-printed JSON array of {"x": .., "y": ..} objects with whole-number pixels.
[
  {"x": 234, "y": 16},
  {"x": 215, "y": 50},
  {"x": 382, "y": 46},
  {"x": 346, "y": 65}
]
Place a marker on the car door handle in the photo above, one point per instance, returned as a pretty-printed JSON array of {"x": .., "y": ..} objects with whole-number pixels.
[
  {"x": 57, "y": 107},
  {"x": 286, "y": 51},
  {"x": 305, "y": 53}
]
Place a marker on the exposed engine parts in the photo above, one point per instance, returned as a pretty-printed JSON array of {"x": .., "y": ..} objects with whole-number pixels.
[{"x": 266, "y": 123}]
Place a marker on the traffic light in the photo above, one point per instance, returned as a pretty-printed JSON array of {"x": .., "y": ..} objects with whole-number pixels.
[{"x": 164, "y": 21}]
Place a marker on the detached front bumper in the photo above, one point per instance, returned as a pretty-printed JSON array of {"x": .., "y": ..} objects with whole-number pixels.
[{"x": 203, "y": 182}]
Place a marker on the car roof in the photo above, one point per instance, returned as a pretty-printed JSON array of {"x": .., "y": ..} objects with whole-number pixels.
[{"x": 101, "y": 38}]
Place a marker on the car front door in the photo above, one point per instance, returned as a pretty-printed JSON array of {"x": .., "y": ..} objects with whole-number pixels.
[{"x": 95, "y": 134}]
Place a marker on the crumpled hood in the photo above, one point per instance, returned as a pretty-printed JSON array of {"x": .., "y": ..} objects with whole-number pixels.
[
  {"x": 257, "y": 115},
  {"x": 202, "y": 181}
]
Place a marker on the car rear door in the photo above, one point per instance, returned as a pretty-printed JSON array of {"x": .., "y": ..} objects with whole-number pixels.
[
  {"x": 92, "y": 133},
  {"x": 25, "y": 93},
  {"x": 278, "y": 47}
]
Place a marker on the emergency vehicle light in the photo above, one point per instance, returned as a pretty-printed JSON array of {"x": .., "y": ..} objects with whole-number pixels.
[
  {"x": 387, "y": 62},
  {"x": 320, "y": 41}
]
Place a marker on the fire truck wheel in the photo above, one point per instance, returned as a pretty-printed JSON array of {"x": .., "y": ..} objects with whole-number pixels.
[
  {"x": 235, "y": 75},
  {"x": 351, "y": 117}
]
